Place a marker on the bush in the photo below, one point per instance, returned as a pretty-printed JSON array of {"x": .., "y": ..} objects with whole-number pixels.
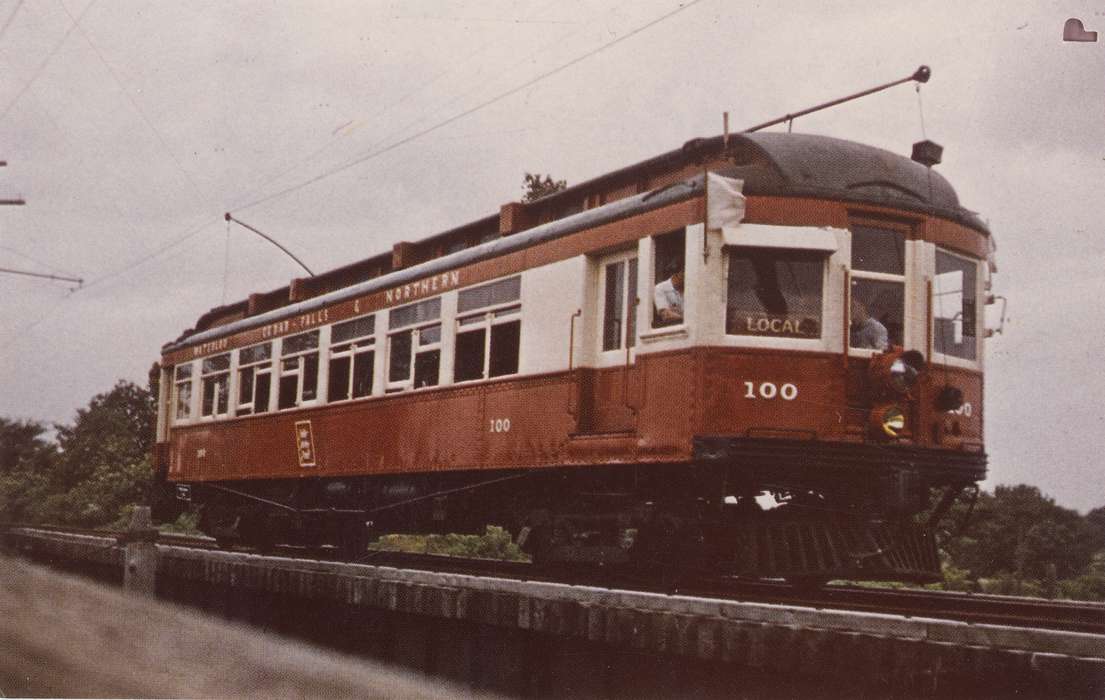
[{"x": 494, "y": 543}]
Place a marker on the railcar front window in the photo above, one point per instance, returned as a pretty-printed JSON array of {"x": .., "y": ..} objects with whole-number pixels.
[
  {"x": 955, "y": 306},
  {"x": 298, "y": 370},
  {"x": 215, "y": 379},
  {"x": 254, "y": 379},
  {"x": 352, "y": 355},
  {"x": 414, "y": 345},
  {"x": 774, "y": 292},
  {"x": 877, "y": 310},
  {"x": 183, "y": 382},
  {"x": 487, "y": 342}
]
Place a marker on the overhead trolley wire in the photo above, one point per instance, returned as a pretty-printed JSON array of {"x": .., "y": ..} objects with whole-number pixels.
[
  {"x": 445, "y": 122},
  {"x": 49, "y": 57},
  {"x": 11, "y": 16}
]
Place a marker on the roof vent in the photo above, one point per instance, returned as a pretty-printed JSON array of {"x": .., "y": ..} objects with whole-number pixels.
[{"x": 927, "y": 153}]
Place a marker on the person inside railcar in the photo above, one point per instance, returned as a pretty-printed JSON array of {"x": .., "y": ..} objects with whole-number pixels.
[
  {"x": 867, "y": 331},
  {"x": 668, "y": 297}
]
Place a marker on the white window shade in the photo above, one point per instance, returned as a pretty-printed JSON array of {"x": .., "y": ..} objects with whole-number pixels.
[{"x": 791, "y": 237}]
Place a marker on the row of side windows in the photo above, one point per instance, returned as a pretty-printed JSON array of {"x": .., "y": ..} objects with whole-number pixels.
[{"x": 487, "y": 329}]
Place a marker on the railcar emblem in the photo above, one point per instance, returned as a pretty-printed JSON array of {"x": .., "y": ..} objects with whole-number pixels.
[{"x": 305, "y": 443}]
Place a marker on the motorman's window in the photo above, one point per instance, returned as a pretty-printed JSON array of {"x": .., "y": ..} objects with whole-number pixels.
[
  {"x": 668, "y": 273},
  {"x": 298, "y": 370},
  {"x": 488, "y": 338},
  {"x": 414, "y": 353},
  {"x": 954, "y": 303},
  {"x": 876, "y": 314},
  {"x": 774, "y": 292},
  {"x": 254, "y": 379},
  {"x": 877, "y": 309},
  {"x": 352, "y": 354},
  {"x": 183, "y": 386},
  {"x": 619, "y": 304},
  {"x": 215, "y": 378}
]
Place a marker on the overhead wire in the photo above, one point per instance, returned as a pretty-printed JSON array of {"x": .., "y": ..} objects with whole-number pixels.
[
  {"x": 11, "y": 16},
  {"x": 41, "y": 66},
  {"x": 471, "y": 110}
]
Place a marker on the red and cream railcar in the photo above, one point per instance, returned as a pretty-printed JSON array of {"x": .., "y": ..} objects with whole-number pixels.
[{"x": 809, "y": 412}]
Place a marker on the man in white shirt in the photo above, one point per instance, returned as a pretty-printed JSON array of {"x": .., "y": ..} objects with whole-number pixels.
[
  {"x": 867, "y": 331},
  {"x": 668, "y": 298}
]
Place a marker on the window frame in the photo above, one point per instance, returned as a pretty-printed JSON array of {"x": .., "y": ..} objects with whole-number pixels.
[
  {"x": 629, "y": 302},
  {"x": 264, "y": 366},
  {"x": 300, "y": 356},
  {"x": 980, "y": 312},
  {"x": 178, "y": 383},
  {"x": 766, "y": 339},
  {"x": 486, "y": 318},
  {"x": 214, "y": 375},
  {"x": 355, "y": 347},
  {"x": 908, "y": 230},
  {"x": 414, "y": 330}
]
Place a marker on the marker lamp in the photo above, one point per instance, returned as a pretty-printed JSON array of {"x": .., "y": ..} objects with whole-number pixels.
[{"x": 890, "y": 420}]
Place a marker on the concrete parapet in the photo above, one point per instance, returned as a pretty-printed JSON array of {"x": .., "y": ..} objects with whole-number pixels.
[{"x": 838, "y": 647}]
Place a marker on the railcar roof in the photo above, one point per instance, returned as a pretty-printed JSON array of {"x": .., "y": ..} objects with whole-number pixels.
[{"x": 770, "y": 163}]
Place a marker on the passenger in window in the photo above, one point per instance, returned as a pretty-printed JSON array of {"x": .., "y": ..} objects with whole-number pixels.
[
  {"x": 867, "y": 331},
  {"x": 668, "y": 298}
]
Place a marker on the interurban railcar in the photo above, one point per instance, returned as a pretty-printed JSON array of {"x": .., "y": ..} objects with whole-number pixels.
[{"x": 810, "y": 413}]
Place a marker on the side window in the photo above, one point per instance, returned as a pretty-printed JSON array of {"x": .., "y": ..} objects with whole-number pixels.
[
  {"x": 877, "y": 314},
  {"x": 254, "y": 379},
  {"x": 619, "y": 309},
  {"x": 488, "y": 330},
  {"x": 955, "y": 306},
  {"x": 414, "y": 345},
  {"x": 298, "y": 370},
  {"x": 215, "y": 379},
  {"x": 352, "y": 353},
  {"x": 774, "y": 292},
  {"x": 182, "y": 385},
  {"x": 667, "y": 293}
]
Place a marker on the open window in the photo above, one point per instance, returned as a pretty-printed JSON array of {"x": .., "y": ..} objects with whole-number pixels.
[
  {"x": 215, "y": 380},
  {"x": 254, "y": 379},
  {"x": 352, "y": 356},
  {"x": 669, "y": 271},
  {"x": 298, "y": 370},
  {"x": 955, "y": 304},
  {"x": 775, "y": 292},
  {"x": 877, "y": 313},
  {"x": 414, "y": 345},
  {"x": 182, "y": 390},
  {"x": 488, "y": 330}
]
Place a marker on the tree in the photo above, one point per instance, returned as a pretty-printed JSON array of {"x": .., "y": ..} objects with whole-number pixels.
[
  {"x": 1021, "y": 532},
  {"x": 103, "y": 464},
  {"x": 537, "y": 187},
  {"x": 27, "y": 461}
]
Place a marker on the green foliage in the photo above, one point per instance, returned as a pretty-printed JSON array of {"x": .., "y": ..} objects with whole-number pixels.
[
  {"x": 494, "y": 543},
  {"x": 537, "y": 186},
  {"x": 1018, "y": 530},
  {"x": 98, "y": 468},
  {"x": 187, "y": 523}
]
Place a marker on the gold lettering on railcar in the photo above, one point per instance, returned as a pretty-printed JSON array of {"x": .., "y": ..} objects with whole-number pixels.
[
  {"x": 295, "y": 324},
  {"x": 431, "y": 285},
  {"x": 305, "y": 443},
  {"x": 762, "y": 325},
  {"x": 210, "y": 347}
]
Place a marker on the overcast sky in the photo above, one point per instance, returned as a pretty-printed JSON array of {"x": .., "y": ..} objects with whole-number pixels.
[{"x": 131, "y": 126}]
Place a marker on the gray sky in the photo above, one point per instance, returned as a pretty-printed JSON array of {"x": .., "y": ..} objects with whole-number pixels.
[{"x": 131, "y": 126}]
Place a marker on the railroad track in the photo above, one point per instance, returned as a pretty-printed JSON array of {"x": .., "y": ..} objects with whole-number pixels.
[{"x": 976, "y": 608}]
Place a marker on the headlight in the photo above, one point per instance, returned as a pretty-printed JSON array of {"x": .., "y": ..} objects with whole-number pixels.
[
  {"x": 888, "y": 419},
  {"x": 897, "y": 372}
]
